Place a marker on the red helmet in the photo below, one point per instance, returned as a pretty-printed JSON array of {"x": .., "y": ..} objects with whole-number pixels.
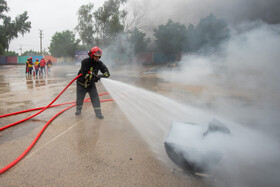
[
  {"x": 30, "y": 57},
  {"x": 37, "y": 59},
  {"x": 95, "y": 51}
]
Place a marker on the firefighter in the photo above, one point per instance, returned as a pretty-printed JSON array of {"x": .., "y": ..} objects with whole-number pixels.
[
  {"x": 86, "y": 83},
  {"x": 30, "y": 66},
  {"x": 26, "y": 66},
  {"x": 42, "y": 66},
  {"x": 37, "y": 66},
  {"x": 49, "y": 65}
]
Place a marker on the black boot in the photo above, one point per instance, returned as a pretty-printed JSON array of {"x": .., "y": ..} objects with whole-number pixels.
[
  {"x": 78, "y": 110},
  {"x": 98, "y": 113}
]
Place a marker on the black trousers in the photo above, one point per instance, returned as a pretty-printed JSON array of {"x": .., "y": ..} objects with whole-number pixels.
[
  {"x": 43, "y": 68},
  {"x": 92, "y": 91},
  {"x": 30, "y": 69}
]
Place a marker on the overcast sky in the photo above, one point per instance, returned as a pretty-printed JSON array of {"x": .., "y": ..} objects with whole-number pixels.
[
  {"x": 59, "y": 15},
  {"x": 48, "y": 15}
]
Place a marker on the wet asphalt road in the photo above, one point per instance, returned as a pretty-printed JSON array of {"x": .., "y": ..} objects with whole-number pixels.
[{"x": 74, "y": 151}]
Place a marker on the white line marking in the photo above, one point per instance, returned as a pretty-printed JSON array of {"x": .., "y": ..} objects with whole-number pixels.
[{"x": 56, "y": 137}]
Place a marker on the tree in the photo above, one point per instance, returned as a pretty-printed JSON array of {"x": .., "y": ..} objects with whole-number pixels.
[
  {"x": 85, "y": 25},
  {"x": 63, "y": 44},
  {"x": 133, "y": 21},
  {"x": 83, "y": 48},
  {"x": 100, "y": 27},
  {"x": 139, "y": 41},
  {"x": 212, "y": 30},
  {"x": 193, "y": 40},
  {"x": 170, "y": 37},
  {"x": 31, "y": 53},
  {"x": 109, "y": 21},
  {"x": 209, "y": 33},
  {"x": 10, "y": 29},
  {"x": 10, "y": 53}
]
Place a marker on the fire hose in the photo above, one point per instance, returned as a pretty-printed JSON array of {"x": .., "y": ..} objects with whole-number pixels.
[{"x": 45, "y": 126}]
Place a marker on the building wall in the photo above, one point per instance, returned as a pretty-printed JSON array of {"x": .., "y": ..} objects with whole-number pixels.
[{"x": 7, "y": 60}]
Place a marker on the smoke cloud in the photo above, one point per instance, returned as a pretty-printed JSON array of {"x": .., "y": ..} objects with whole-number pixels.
[
  {"x": 241, "y": 83},
  {"x": 247, "y": 67},
  {"x": 191, "y": 11}
]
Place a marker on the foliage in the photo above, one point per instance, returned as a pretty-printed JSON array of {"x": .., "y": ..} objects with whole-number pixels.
[
  {"x": 63, "y": 44},
  {"x": 174, "y": 37},
  {"x": 124, "y": 46},
  {"x": 100, "y": 27},
  {"x": 31, "y": 53},
  {"x": 85, "y": 25},
  {"x": 45, "y": 53},
  {"x": 170, "y": 37},
  {"x": 10, "y": 29},
  {"x": 109, "y": 21},
  {"x": 120, "y": 49},
  {"x": 209, "y": 32},
  {"x": 10, "y": 53},
  {"x": 138, "y": 40},
  {"x": 83, "y": 48},
  {"x": 192, "y": 40},
  {"x": 106, "y": 26},
  {"x": 133, "y": 21}
]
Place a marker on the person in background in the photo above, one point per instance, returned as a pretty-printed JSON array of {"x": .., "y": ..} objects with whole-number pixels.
[
  {"x": 42, "y": 66},
  {"x": 37, "y": 66},
  {"x": 49, "y": 65},
  {"x": 86, "y": 83},
  {"x": 30, "y": 66},
  {"x": 26, "y": 66}
]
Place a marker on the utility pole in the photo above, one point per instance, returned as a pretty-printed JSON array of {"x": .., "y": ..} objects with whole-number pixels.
[
  {"x": 41, "y": 37},
  {"x": 20, "y": 50}
]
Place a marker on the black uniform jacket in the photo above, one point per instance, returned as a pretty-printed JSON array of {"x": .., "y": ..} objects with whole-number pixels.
[{"x": 86, "y": 64}]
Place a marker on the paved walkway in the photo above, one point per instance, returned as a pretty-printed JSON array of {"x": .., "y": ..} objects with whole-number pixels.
[{"x": 73, "y": 151}]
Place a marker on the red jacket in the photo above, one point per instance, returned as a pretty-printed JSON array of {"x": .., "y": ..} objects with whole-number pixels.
[{"x": 42, "y": 63}]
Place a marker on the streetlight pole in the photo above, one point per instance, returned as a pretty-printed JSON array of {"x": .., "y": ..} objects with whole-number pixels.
[{"x": 41, "y": 37}]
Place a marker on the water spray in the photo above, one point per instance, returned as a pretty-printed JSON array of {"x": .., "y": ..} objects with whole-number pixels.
[{"x": 196, "y": 145}]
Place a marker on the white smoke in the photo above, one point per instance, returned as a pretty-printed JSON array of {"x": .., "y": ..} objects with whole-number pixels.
[
  {"x": 247, "y": 68},
  {"x": 242, "y": 81},
  {"x": 191, "y": 11}
]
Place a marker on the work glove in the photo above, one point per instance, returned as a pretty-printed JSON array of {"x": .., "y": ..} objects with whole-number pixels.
[
  {"x": 96, "y": 78},
  {"x": 106, "y": 74},
  {"x": 91, "y": 76}
]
